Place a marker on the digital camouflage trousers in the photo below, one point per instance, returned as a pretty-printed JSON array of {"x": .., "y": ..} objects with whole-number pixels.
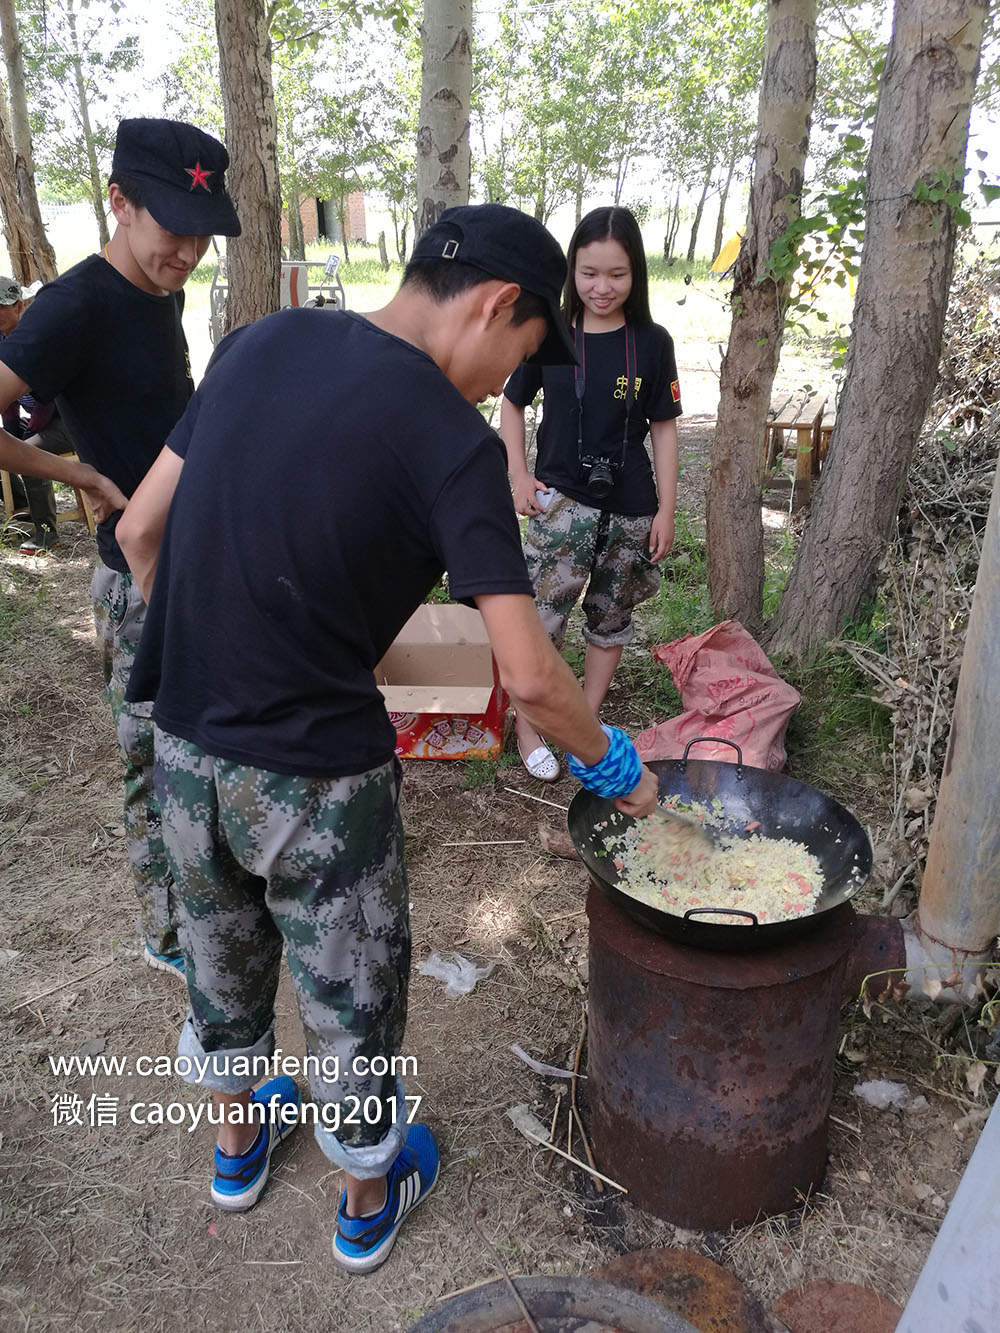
[
  {"x": 119, "y": 613},
  {"x": 571, "y": 546},
  {"x": 262, "y": 861}
]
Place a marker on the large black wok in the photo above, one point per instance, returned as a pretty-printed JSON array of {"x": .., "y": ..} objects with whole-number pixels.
[{"x": 783, "y": 808}]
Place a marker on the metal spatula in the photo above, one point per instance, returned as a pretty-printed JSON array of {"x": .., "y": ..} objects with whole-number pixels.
[{"x": 685, "y": 830}]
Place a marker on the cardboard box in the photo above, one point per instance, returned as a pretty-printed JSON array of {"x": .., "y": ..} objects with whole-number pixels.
[{"x": 441, "y": 687}]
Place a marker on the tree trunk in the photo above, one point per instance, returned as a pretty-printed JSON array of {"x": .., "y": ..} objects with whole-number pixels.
[
  {"x": 342, "y": 223},
  {"x": 697, "y": 214},
  {"x": 443, "y": 158},
  {"x": 15, "y": 228},
  {"x": 541, "y": 182},
  {"x": 383, "y": 254},
  {"x": 96, "y": 188},
  {"x": 734, "y": 533},
  {"x": 579, "y": 192},
  {"x": 296, "y": 236},
  {"x": 400, "y": 233},
  {"x": 720, "y": 225},
  {"x": 959, "y": 905},
  {"x": 673, "y": 224},
  {"x": 254, "y": 258},
  {"x": 921, "y": 131},
  {"x": 35, "y": 254}
]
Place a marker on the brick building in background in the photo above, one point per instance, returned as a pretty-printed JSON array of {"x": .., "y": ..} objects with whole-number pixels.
[{"x": 319, "y": 221}]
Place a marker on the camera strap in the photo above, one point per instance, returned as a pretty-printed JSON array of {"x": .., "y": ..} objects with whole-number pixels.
[{"x": 580, "y": 379}]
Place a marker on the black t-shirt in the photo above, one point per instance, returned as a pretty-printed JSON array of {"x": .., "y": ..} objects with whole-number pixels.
[
  {"x": 114, "y": 359},
  {"x": 658, "y": 398},
  {"x": 331, "y": 474}
]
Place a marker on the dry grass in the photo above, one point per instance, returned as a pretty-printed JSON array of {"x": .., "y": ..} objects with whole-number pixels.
[
  {"x": 110, "y": 1227},
  {"x": 929, "y": 575}
]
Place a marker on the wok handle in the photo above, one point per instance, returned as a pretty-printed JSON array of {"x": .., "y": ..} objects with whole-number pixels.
[
  {"x": 719, "y": 911},
  {"x": 715, "y": 740}
]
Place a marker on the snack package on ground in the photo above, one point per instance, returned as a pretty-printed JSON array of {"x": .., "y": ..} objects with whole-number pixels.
[
  {"x": 460, "y": 974},
  {"x": 730, "y": 690}
]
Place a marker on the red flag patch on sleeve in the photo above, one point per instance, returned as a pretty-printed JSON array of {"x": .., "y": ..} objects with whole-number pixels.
[{"x": 675, "y": 390}]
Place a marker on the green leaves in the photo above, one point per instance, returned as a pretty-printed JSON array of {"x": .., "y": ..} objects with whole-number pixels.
[
  {"x": 823, "y": 244},
  {"x": 302, "y": 24},
  {"x": 74, "y": 51},
  {"x": 942, "y": 188}
]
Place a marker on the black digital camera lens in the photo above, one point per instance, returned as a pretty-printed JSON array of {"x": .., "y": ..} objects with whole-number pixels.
[{"x": 601, "y": 481}]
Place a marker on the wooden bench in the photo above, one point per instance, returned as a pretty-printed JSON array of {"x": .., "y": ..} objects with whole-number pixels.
[
  {"x": 825, "y": 432},
  {"x": 79, "y": 513},
  {"x": 803, "y": 414}
]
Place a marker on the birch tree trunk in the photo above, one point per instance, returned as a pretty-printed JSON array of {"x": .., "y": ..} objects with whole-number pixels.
[
  {"x": 735, "y": 536},
  {"x": 34, "y": 253},
  {"x": 673, "y": 223},
  {"x": 253, "y": 258},
  {"x": 720, "y": 223},
  {"x": 921, "y": 132},
  {"x": 83, "y": 108},
  {"x": 696, "y": 224},
  {"x": 624, "y": 163},
  {"x": 443, "y": 157}
]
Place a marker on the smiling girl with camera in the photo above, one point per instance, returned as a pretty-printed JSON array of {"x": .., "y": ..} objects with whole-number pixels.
[{"x": 597, "y": 518}]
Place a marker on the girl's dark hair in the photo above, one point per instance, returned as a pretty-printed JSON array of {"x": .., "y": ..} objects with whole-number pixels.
[
  {"x": 129, "y": 187},
  {"x": 443, "y": 279},
  {"x": 616, "y": 224}
]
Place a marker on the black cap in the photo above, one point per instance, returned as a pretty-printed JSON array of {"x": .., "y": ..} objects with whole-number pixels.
[
  {"x": 181, "y": 174},
  {"x": 507, "y": 244}
]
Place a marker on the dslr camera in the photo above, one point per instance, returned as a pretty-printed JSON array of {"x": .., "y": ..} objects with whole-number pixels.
[{"x": 600, "y": 475}]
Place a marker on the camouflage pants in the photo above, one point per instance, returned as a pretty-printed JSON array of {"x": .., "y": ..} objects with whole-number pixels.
[
  {"x": 119, "y": 613},
  {"x": 262, "y": 860},
  {"x": 570, "y": 546}
]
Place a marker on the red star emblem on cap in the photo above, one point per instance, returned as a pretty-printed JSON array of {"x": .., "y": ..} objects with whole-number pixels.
[{"x": 199, "y": 176}]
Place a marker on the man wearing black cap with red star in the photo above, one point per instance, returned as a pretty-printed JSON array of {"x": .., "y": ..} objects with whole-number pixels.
[{"x": 105, "y": 342}]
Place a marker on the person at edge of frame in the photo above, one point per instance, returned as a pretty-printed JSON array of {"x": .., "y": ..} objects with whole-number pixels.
[
  {"x": 104, "y": 342},
  {"x": 275, "y": 758},
  {"x": 42, "y": 430}
]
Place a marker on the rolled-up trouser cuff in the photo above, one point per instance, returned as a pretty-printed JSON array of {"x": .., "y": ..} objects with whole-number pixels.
[
  {"x": 238, "y": 1070},
  {"x": 230, "y": 1071},
  {"x": 373, "y": 1161}
]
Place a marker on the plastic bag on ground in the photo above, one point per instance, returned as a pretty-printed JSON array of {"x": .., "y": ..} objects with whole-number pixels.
[
  {"x": 883, "y": 1093},
  {"x": 730, "y": 690},
  {"x": 459, "y": 974}
]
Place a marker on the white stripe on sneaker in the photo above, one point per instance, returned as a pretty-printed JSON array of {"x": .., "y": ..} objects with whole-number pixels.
[{"x": 407, "y": 1196}]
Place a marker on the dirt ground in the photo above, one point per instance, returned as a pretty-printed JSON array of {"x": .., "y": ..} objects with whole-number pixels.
[{"x": 107, "y": 1223}]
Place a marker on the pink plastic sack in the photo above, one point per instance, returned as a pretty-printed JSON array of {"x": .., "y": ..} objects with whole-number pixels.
[{"x": 729, "y": 689}]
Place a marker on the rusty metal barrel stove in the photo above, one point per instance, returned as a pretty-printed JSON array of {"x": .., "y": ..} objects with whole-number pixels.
[{"x": 710, "y": 1074}]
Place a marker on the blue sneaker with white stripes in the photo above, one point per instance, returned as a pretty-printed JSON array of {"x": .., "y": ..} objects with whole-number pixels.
[
  {"x": 239, "y": 1181},
  {"x": 361, "y": 1244}
]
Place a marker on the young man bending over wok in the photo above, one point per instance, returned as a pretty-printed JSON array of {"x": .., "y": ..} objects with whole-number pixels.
[{"x": 275, "y": 761}]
